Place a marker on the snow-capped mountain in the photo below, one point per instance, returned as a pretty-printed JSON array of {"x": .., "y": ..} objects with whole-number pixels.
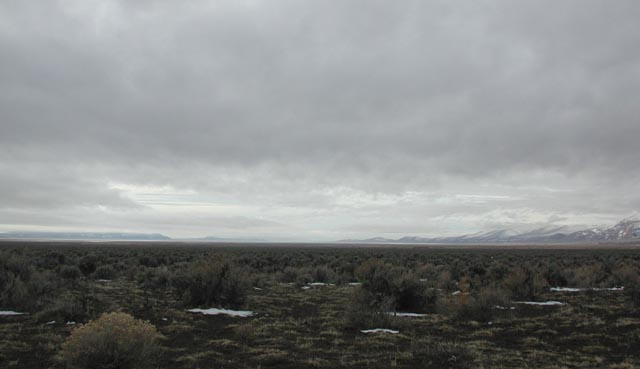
[{"x": 626, "y": 230}]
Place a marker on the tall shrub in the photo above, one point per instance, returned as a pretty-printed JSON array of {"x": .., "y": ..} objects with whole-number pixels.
[
  {"x": 212, "y": 281},
  {"x": 114, "y": 341}
]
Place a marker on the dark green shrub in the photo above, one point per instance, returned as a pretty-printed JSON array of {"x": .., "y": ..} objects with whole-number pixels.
[
  {"x": 87, "y": 265},
  {"x": 587, "y": 276},
  {"x": 524, "y": 284},
  {"x": 288, "y": 275},
  {"x": 410, "y": 294},
  {"x": 625, "y": 275},
  {"x": 148, "y": 261},
  {"x": 17, "y": 265},
  {"x": 445, "y": 281},
  {"x": 634, "y": 293},
  {"x": 556, "y": 276},
  {"x": 323, "y": 274},
  {"x": 104, "y": 272},
  {"x": 212, "y": 282},
  {"x": 27, "y": 294},
  {"x": 383, "y": 282},
  {"x": 155, "y": 278},
  {"x": 15, "y": 273},
  {"x": 15, "y": 293},
  {"x": 376, "y": 277},
  {"x": 71, "y": 272},
  {"x": 365, "y": 311}
]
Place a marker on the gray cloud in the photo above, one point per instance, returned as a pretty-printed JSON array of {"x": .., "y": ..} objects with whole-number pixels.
[{"x": 305, "y": 115}]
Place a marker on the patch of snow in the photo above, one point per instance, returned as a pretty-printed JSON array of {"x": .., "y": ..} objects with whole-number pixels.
[
  {"x": 379, "y": 330},
  {"x": 608, "y": 289},
  {"x": 540, "y": 303},
  {"x": 411, "y": 315},
  {"x": 318, "y": 284},
  {"x": 71, "y": 323},
  {"x": 456, "y": 293},
  {"x": 165, "y": 319},
  {"x": 10, "y": 313},
  {"x": 216, "y": 311},
  {"x": 504, "y": 307},
  {"x": 355, "y": 284},
  {"x": 257, "y": 288},
  {"x": 572, "y": 289},
  {"x": 306, "y": 287},
  {"x": 104, "y": 280},
  {"x": 565, "y": 289},
  {"x": 51, "y": 322}
]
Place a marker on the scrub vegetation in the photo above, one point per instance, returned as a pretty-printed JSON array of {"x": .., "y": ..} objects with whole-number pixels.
[{"x": 124, "y": 305}]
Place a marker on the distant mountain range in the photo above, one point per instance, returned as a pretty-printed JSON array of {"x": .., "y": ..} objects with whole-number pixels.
[
  {"x": 626, "y": 230},
  {"x": 114, "y": 236},
  {"x": 90, "y": 236}
]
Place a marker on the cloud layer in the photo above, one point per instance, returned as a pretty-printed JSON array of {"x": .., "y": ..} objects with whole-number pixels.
[{"x": 317, "y": 120}]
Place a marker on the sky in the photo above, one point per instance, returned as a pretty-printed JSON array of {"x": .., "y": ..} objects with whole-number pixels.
[{"x": 318, "y": 120}]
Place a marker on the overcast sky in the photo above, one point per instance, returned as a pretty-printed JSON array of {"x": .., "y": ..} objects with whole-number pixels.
[{"x": 318, "y": 120}]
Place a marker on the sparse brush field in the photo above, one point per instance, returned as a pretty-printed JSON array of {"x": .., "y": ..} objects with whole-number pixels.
[{"x": 306, "y": 306}]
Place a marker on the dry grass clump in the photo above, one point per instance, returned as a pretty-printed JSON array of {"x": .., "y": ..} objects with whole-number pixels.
[
  {"x": 114, "y": 341},
  {"x": 245, "y": 332},
  {"x": 64, "y": 308},
  {"x": 478, "y": 306},
  {"x": 445, "y": 355}
]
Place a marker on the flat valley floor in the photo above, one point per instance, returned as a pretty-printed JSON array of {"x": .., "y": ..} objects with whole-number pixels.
[{"x": 302, "y": 297}]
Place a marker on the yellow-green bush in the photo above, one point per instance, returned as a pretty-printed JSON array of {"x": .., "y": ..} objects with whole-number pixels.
[{"x": 114, "y": 341}]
